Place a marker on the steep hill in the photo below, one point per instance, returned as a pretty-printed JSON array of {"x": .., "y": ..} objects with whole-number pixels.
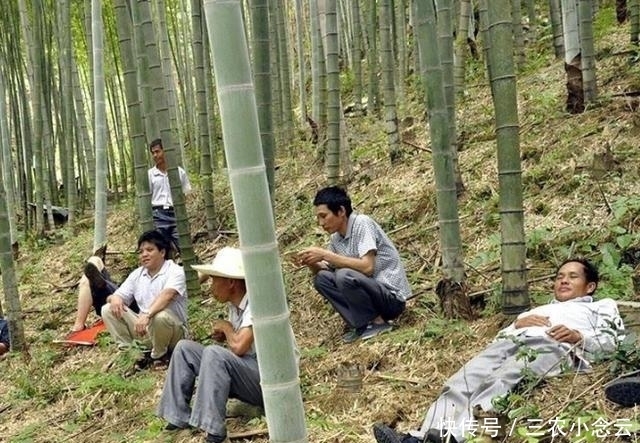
[{"x": 581, "y": 197}]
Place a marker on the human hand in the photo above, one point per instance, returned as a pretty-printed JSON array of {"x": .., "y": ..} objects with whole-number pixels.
[
  {"x": 141, "y": 324},
  {"x": 565, "y": 335},
  {"x": 220, "y": 330},
  {"x": 310, "y": 256},
  {"x": 531, "y": 320},
  {"x": 117, "y": 306}
]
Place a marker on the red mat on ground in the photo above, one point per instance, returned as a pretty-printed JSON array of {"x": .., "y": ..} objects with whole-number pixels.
[{"x": 86, "y": 337}]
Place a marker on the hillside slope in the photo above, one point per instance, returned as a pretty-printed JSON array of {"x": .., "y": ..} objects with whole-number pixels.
[{"x": 572, "y": 206}]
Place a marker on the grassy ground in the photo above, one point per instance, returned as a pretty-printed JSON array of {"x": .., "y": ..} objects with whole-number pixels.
[{"x": 57, "y": 394}]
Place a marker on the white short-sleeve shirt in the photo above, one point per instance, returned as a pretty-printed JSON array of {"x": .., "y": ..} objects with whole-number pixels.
[
  {"x": 161, "y": 189},
  {"x": 144, "y": 289}
]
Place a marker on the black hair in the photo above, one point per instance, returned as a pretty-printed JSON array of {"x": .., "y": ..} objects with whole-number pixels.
[
  {"x": 335, "y": 198},
  {"x": 159, "y": 240},
  {"x": 154, "y": 143},
  {"x": 590, "y": 270}
]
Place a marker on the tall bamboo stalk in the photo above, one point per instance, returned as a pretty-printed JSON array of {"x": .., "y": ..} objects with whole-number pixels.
[
  {"x": 262, "y": 72},
  {"x": 446, "y": 197},
  {"x": 256, "y": 228},
  {"x": 515, "y": 296},
  {"x": 136, "y": 125},
  {"x": 588, "y": 53},
  {"x": 100, "y": 128},
  {"x": 388, "y": 79}
]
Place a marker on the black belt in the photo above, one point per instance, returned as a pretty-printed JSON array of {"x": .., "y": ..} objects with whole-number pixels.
[{"x": 162, "y": 208}]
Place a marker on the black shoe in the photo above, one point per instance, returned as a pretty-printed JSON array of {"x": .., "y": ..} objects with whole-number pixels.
[
  {"x": 384, "y": 434},
  {"x": 212, "y": 438},
  {"x": 624, "y": 391},
  {"x": 95, "y": 277},
  {"x": 172, "y": 427}
]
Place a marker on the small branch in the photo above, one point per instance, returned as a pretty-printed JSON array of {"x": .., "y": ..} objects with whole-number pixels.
[
  {"x": 604, "y": 197},
  {"x": 238, "y": 435},
  {"x": 407, "y": 142},
  {"x": 400, "y": 379},
  {"x": 399, "y": 228}
]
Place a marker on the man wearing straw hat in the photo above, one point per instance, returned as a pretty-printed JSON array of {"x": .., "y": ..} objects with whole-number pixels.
[{"x": 222, "y": 372}]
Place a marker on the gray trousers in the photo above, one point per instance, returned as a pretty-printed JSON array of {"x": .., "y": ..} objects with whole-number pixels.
[
  {"x": 221, "y": 375},
  {"x": 495, "y": 371},
  {"x": 357, "y": 298}
]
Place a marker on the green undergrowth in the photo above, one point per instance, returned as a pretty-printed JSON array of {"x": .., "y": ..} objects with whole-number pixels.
[{"x": 571, "y": 208}]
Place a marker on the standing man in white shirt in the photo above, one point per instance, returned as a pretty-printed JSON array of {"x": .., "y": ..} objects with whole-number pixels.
[{"x": 164, "y": 216}]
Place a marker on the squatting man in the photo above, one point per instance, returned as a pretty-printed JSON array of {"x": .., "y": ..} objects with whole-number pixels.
[{"x": 360, "y": 273}]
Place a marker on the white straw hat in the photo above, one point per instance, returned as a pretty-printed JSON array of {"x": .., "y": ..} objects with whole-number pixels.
[{"x": 227, "y": 263}]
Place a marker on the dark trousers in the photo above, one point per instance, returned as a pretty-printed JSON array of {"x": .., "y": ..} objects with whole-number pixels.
[
  {"x": 164, "y": 221},
  {"x": 99, "y": 296},
  {"x": 357, "y": 298}
]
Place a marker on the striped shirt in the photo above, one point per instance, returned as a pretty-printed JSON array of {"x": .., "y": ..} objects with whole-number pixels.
[{"x": 364, "y": 235}]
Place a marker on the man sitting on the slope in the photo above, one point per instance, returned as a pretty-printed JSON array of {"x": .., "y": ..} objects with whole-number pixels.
[{"x": 564, "y": 333}]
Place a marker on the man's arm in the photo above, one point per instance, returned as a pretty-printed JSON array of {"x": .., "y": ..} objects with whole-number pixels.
[
  {"x": 239, "y": 342},
  {"x": 159, "y": 304},
  {"x": 123, "y": 296},
  {"x": 602, "y": 336},
  {"x": 314, "y": 257}
]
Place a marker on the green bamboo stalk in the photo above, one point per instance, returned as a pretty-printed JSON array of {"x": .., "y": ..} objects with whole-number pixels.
[
  {"x": 262, "y": 72},
  {"x": 357, "y": 56},
  {"x": 202, "y": 124},
  {"x": 634, "y": 26},
  {"x": 136, "y": 125},
  {"x": 555, "y": 15},
  {"x": 330, "y": 36},
  {"x": 515, "y": 296},
  {"x": 388, "y": 85},
  {"x": 588, "y": 53},
  {"x": 446, "y": 198},
  {"x": 256, "y": 228},
  {"x": 100, "y": 126}
]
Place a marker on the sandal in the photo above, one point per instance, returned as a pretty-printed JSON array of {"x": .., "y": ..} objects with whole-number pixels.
[{"x": 143, "y": 362}]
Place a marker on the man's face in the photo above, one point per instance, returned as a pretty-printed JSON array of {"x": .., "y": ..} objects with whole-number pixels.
[
  {"x": 150, "y": 256},
  {"x": 158, "y": 155},
  {"x": 571, "y": 282},
  {"x": 329, "y": 221},
  {"x": 220, "y": 288}
]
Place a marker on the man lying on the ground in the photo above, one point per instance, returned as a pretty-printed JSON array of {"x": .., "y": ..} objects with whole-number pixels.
[
  {"x": 94, "y": 287},
  {"x": 159, "y": 288},
  {"x": 222, "y": 372},
  {"x": 566, "y": 333},
  {"x": 5, "y": 344}
]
